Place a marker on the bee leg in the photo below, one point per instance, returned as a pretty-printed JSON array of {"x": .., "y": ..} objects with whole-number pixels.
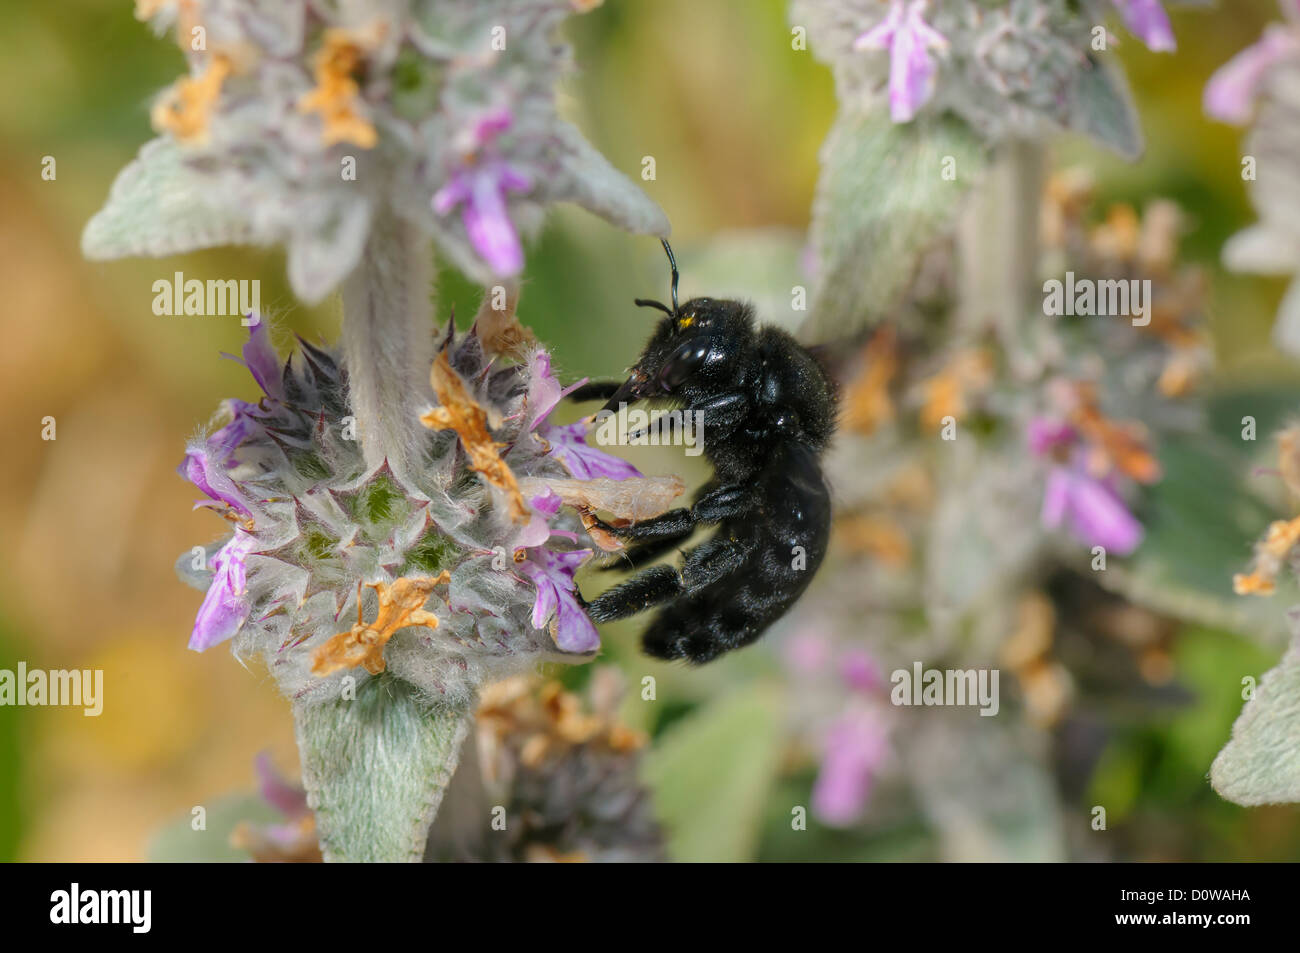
[
  {"x": 637, "y": 556},
  {"x": 671, "y": 525},
  {"x": 639, "y": 593},
  {"x": 718, "y": 504},
  {"x": 704, "y": 565}
]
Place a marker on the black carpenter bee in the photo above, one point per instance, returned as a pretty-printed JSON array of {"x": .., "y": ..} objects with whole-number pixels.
[{"x": 768, "y": 414}]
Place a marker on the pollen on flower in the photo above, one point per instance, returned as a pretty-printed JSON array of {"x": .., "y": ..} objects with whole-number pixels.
[
  {"x": 186, "y": 108},
  {"x": 337, "y": 97},
  {"x": 400, "y": 604},
  {"x": 460, "y": 412}
]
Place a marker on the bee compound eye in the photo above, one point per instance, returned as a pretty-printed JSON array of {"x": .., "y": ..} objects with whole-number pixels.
[{"x": 682, "y": 364}]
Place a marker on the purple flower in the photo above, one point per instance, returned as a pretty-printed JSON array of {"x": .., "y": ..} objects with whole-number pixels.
[
  {"x": 854, "y": 748},
  {"x": 1230, "y": 93},
  {"x": 544, "y": 390},
  {"x": 1046, "y": 435},
  {"x": 293, "y": 840},
  {"x": 860, "y": 671},
  {"x": 277, "y": 791},
  {"x": 568, "y": 442},
  {"x": 538, "y": 528},
  {"x": 243, "y": 424},
  {"x": 908, "y": 38},
  {"x": 1097, "y": 515},
  {"x": 261, "y": 360},
  {"x": 569, "y": 446},
  {"x": 224, "y": 608},
  {"x": 552, "y": 573},
  {"x": 479, "y": 186},
  {"x": 1147, "y": 20},
  {"x": 203, "y": 467}
]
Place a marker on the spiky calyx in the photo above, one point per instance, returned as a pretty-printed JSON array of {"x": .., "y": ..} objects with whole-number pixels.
[{"x": 433, "y": 557}]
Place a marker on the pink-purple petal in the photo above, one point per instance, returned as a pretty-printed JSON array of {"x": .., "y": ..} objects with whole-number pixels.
[
  {"x": 855, "y": 746},
  {"x": 224, "y": 608},
  {"x": 1147, "y": 20},
  {"x": 544, "y": 391},
  {"x": 908, "y": 38},
  {"x": 569, "y": 446},
  {"x": 200, "y": 469},
  {"x": 489, "y": 227},
  {"x": 262, "y": 361},
  {"x": 882, "y": 34},
  {"x": 277, "y": 791},
  {"x": 1230, "y": 93},
  {"x": 1099, "y": 517},
  {"x": 1046, "y": 434}
]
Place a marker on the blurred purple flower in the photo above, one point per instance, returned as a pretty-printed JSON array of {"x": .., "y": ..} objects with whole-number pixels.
[
  {"x": 855, "y": 746},
  {"x": 224, "y": 608},
  {"x": 1230, "y": 93},
  {"x": 1097, "y": 515},
  {"x": 860, "y": 671},
  {"x": 908, "y": 38},
  {"x": 276, "y": 790},
  {"x": 294, "y": 840},
  {"x": 1147, "y": 20},
  {"x": 1046, "y": 435},
  {"x": 480, "y": 186}
]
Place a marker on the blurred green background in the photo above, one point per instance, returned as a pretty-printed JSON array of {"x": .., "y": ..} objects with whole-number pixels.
[{"x": 93, "y": 521}]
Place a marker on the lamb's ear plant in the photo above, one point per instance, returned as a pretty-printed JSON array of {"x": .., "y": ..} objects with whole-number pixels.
[
  {"x": 1012, "y": 476},
  {"x": 1260, "y": 87},
  {"x": 394, "y": 540}
]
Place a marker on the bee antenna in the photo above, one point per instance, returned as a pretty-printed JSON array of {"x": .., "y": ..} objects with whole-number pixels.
[
  {"x": 648, "y": 303},
  {"x": 672, "y": 263}
]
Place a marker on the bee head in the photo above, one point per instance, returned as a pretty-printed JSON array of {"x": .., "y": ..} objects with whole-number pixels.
[{"x": 692, "y": 348}]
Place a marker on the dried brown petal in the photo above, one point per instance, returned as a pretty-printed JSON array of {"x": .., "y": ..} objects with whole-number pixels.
[
  {"x": 400, "y": 604},
  {"x": 461, "y": 413},
  {"x": 500, "y": 331}
]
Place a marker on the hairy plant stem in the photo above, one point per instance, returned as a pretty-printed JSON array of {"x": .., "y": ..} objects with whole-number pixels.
[
  {"x": 375, "y": 768},
  {"x": 388, "y": 341},
  {"x": 998, "y": 244}
]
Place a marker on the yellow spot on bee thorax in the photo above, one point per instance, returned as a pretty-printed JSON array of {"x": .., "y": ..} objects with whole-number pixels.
[{"x": 685, "y": 321}]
